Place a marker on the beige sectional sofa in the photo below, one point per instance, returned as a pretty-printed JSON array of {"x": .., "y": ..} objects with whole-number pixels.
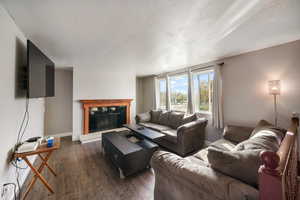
[
  {"x": 183, "y": 134},
  {"x": 226, "y": 170}
]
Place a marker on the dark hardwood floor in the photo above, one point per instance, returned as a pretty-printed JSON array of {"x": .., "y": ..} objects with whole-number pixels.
[{"x": 84, "y": 173}]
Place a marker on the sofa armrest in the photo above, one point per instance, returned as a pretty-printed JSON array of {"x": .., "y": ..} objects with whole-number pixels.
[
  {"x": 191, "y": 136},
  {"x": 183, "y": 173},
  {"x": 237, "y": 134},
  {"x": 189, "y": 127},
  {"x": 143, "y": 117}
]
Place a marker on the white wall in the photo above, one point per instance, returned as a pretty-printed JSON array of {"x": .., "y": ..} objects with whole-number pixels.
[
  {"x": 12, "y": 102},
  {"x": 59, "y": 109},
  {"x": 246, "y": 98},
  {"x": 245, "y": 77},
  {"x": 97, "y": 82}
]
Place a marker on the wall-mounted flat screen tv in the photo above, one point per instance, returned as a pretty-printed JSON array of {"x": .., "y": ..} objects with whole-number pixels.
[{"x": 41, "y": 73}]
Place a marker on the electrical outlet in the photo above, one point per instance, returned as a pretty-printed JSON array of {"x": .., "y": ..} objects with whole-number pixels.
[
  {"x": 4, "y": 192},
  {"x": 1, "y": 191}
]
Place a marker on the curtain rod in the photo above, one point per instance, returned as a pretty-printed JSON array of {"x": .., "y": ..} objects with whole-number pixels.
[
  {"x": 193, "y": 68},
  {"x": 206, "y": 65}
]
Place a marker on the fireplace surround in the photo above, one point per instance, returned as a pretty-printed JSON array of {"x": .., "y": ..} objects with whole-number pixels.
[{"x": 110, "y": 113}]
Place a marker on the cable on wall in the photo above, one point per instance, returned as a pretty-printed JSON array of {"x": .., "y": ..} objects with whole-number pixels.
[{"x": 21, "y": 132}]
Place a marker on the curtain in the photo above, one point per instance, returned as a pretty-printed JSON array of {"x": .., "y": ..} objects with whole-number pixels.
[
  {"x": 156, "y": 93},
  {"x": 190, "y": 108},
  {"x": 168, "y": 99},
  {"x": 217, "y": 103}
]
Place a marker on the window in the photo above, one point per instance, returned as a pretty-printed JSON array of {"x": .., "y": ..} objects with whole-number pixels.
[
  {"x": 202, "y": 91},
  {"x": 201, "y": 88},
  {"x": 162, "y": 93},
  {"x": 179, "y": 92}
]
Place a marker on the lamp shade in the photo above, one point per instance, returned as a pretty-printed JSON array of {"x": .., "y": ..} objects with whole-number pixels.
[{"x": 274, "y": 87}]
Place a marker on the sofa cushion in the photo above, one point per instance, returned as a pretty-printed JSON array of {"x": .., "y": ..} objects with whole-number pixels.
[
  {"x": 155, "y": 115},
  {"x": 188, "y": 177},
  {"x": 265, "y": 136},
  {"x": 242, "y": 165},
  {"x": 264, "y": 139},
  {"x": 200, "y": 159},
  {"x": 237, "y": 134},
  {"x": 265, "y": 125},
  {"x": 188, "y": 119},
  {"x": 171, "y": 135},
  {"x": 175, "y": 119},
  {"x": 260, "y": 125},
  {"x": 164, "y": 118},
  {"x": 238, "y": 190},
  {"x": 144, "y": 117},
  {"x": 223, "y": 144},
  {"x": 202, "y": 155},
  {"x": 154, "y": 126}
]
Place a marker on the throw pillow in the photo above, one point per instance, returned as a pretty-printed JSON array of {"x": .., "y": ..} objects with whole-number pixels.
[
  {"x": 164, "y": 118},
  {"x": 260, "y": 124},
  {"x": 242, "y": 165},
  {"x": 263, "y": 125},
  {"x": 175, "y": 119},
  {"x": 264, "y": 139},
  {"x": 155, "y": 115},
  {"x": 143, "y": 117},
  {"x": 188, "y": 119},
  {"x": 264, "y": 136},
  {"x": 237, "y": 134}
]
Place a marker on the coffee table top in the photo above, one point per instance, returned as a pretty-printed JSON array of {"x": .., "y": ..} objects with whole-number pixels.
[
  {"x": 145, "y": 132},
  {"x": 122, "y": 143}
]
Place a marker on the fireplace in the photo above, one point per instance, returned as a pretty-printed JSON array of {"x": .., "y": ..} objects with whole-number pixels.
[
  {"x": 106, "y": 117},
  {"x": 105, "y": 114}
]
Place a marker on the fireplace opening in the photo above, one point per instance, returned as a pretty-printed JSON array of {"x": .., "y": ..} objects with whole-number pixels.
[{"x": 106, "y": 117}]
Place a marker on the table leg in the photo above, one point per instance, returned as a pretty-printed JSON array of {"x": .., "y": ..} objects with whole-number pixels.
[
  {"x": 47, "y": 165},
  {"x": 38, "y": 175},
  {"x": 121, "y": 173}
]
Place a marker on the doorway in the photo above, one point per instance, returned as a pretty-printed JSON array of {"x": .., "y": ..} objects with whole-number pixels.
[{"x": 59, "y": 109}]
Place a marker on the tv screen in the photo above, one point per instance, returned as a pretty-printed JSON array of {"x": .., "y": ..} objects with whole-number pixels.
[{"x": 40, "y": 73}]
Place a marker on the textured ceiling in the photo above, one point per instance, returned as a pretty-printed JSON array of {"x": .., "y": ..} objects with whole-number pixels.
[{"x": 153, "y": 35}]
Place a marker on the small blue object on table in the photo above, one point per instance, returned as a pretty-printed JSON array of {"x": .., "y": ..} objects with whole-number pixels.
[{"x": 50, "y": 142}]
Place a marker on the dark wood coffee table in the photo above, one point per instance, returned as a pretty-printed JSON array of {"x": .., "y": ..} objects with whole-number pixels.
[
  {"x": 145, "y": 132},
  {"x": 129, "y": 157}
]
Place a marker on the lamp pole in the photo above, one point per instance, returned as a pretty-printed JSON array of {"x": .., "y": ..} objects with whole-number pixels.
[
  {"x": 274, "y": 89},
  {"x": 275, "y": 109}
]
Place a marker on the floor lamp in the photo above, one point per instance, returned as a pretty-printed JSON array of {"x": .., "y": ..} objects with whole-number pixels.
[{"x": 274, "y": 89}]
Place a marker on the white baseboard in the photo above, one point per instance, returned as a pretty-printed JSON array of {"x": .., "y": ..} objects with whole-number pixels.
[
  {"x": 61, "y": 134},
  {"x": 90, "y": 140},
  {"x": 92, "y": 137}
]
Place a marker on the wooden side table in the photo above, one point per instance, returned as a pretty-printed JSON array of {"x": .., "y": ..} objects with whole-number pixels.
[{"x": 42, "y": 149}]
